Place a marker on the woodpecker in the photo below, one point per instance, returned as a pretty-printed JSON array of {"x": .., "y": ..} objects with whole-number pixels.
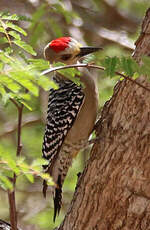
[{"x": 71, "y": 115}]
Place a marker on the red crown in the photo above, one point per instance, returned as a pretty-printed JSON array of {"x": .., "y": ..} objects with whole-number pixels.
[{"x": 60, "y": 44}]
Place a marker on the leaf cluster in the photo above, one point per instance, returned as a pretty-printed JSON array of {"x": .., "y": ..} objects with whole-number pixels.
[
  {"x": 19, "y": 77},
  {"x": 20, "y": 80},
  {"x": 10, "y": 164},
  {"x": 126, "y": 65}
]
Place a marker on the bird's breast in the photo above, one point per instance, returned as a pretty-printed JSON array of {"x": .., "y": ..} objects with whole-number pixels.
[{"x": 86, "y": 117}]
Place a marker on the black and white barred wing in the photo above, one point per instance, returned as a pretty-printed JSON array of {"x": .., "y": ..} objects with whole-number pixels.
[
  {"x": 5, "y": 226},
  {"x": 63, "y": 107}
]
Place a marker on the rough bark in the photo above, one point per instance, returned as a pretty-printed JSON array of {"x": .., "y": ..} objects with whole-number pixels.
[{"x": 113, "y": 193}]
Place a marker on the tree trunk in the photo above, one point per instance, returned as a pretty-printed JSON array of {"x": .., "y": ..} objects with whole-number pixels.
[{"x": 113, "y": 193}]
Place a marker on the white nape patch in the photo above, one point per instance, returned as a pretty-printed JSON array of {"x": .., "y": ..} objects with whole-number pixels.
[{"x": 74, "y": 47}]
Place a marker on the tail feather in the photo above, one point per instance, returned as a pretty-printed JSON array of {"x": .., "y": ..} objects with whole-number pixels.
[
  {"x": 57, "y": 198},
  {"x": 44, "y": 188},
  {"x": 44, "y": 182},
  {"x": 57, "y": 169}
]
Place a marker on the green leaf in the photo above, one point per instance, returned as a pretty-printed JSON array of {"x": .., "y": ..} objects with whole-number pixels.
[
  {"x": 135, "y": 76},
  {"x": 24, "y": 167},
  {"x": 7, "y": 16},
  {"x": 20, "y": 160},
  {"x": 2, "y": 30},
  {"x": 128, "y": 66},
  {"x": 3, "y": 40},
  {"x": 57, "y": 64},
  {"x": 15, "y": 35},
  {"x": 45, "y": 83},
  {"x": 26, "y": 105},
  {"x": 13, "y": 17},
  {"x": 38, "y": 64},
  {"x": 24, "y": 96},
  {"x": 11, "y": 163},
  {"x": 30, "y": 177},
  {"x": 47, "y": 177},
  {"x": 8, "y": 50},
  {"x": 6, "y": 172},
  {"x": 13, "y": 167},
  {"x": 5, "y": 58},
  {"x": 70, "y": 73},
  {"x": 25, "y": 46},
  {"x": 145, "y": 67},
  {"x": 23, "y": 77},
  {"x": 9, "y": 83},
  {"x": 39, "y": 162},
  {"x": 15, "y": 27},
  {"x": 88, "y": 59},
  {"x": 5, "y": 96},
  {"x": 110, "y": 66},
  {"x": 5, "y": 183},
  {"x": 2, "y": 90}
]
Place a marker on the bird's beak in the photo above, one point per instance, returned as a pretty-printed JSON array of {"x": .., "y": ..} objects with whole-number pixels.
[{"x": 87, "y": 50}]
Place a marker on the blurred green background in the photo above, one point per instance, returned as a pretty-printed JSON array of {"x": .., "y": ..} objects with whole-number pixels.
[{"x": 111, "y": 24}]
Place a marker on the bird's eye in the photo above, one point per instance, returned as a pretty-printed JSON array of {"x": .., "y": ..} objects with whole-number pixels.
[{"x": 65, "y": 57}]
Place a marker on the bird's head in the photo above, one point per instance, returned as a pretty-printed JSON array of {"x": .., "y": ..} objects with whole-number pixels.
[{"x": 66, "y": 50}]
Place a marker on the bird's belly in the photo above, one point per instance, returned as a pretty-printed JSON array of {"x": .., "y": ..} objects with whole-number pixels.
[{"x": 84, "y": 123}]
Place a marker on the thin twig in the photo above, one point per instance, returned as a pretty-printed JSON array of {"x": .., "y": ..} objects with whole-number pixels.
[
  {"x": 14, "y": 102},
  {"x": 11, "y": 194},
  {"x": 12, "y": 209},
  {"x": 92, "y": 66},
  {"x": 133, "y": 81},
  {"x": 7, "y": 35},
  {"x": 19, "y": 145}
]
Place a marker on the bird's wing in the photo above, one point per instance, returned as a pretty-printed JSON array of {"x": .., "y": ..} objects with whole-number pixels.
[
  {"x": 5, "y": 226},
  {"x": 63, "y": 107}
]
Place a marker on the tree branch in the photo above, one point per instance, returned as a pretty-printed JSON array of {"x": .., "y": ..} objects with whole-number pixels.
[
  {"x": 12, "y": 209},
  {"x": 14, "y": 102},
  {"x": 11, "y": 194},
  {"x": 92, "y": 66}
]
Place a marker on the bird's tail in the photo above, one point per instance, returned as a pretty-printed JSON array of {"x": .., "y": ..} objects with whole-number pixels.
[
  {"x": 57, "y": 198},
  {"x": 58, "y": 170}
]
